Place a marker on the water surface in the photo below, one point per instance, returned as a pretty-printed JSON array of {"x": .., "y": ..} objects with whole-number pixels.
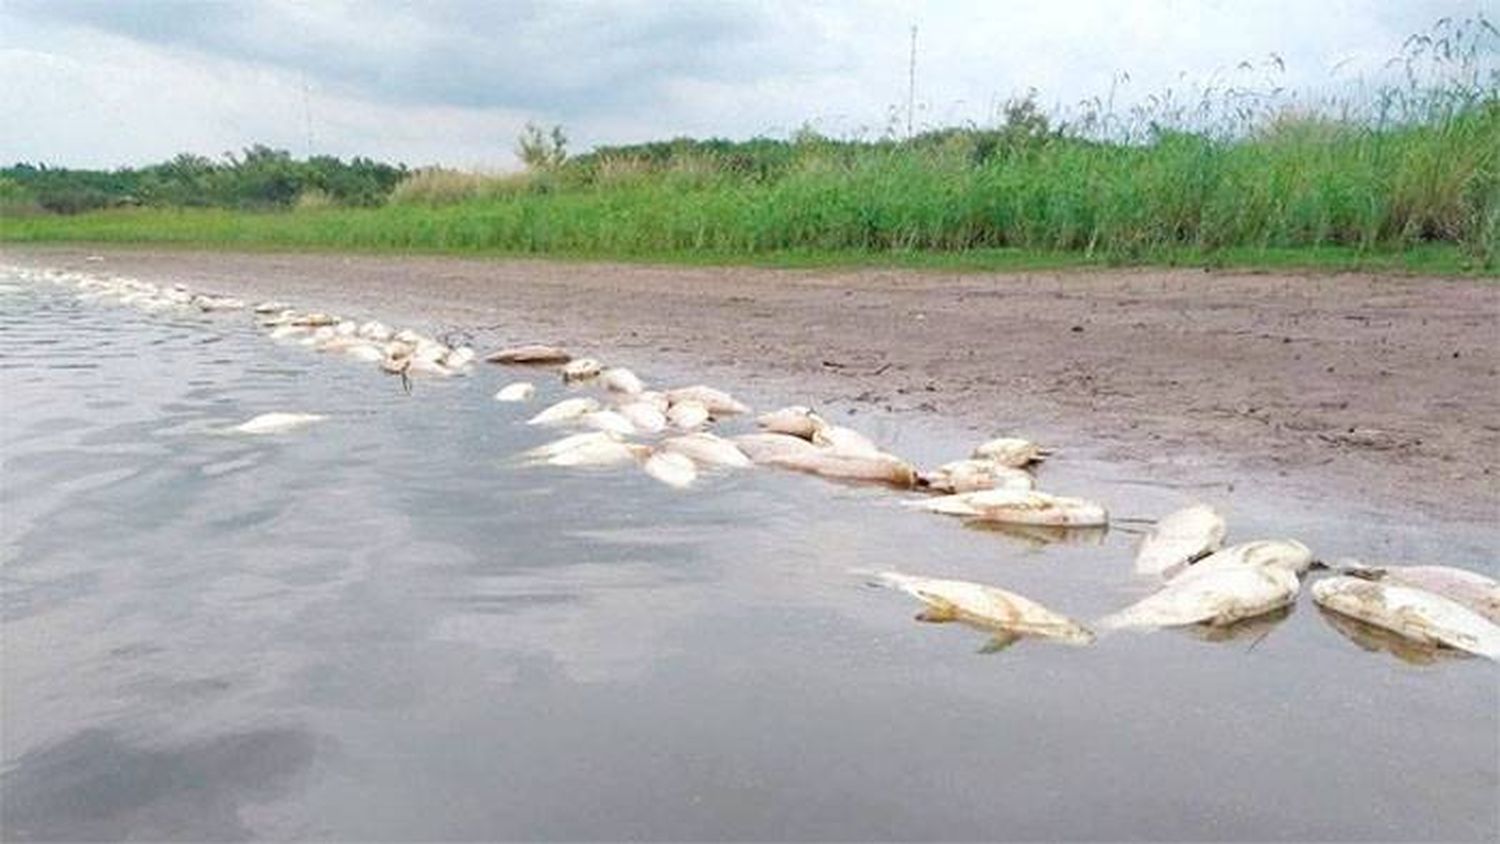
[{"x": 381, "y": 628}]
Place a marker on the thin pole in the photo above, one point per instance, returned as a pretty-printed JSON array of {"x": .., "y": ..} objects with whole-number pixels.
[{"x": 911, "y": 82}]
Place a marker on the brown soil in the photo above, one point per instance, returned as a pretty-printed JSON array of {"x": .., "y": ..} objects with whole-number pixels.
[{"x": 1379, "y": 389}]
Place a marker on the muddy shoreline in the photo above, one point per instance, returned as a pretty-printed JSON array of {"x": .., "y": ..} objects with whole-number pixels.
[{"x": 1382, "y": 391}]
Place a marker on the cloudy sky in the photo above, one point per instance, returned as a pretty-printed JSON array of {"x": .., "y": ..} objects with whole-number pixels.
[{"x": 112, "y": 82}]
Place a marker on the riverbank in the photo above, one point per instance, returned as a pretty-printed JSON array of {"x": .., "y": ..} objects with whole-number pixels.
[{"x": 1374, "y": 389}]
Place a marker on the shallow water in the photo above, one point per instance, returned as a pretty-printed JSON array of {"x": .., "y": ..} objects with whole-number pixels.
[{"x": 379, "y": 627}]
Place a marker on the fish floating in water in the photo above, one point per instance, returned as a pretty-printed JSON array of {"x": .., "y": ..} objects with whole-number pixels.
[
  {"x": 518, "y": 391},
  {"x": 531, "y": 353},
  {"x": 1472, "y": 589},
  {"x": 566, "y": 410},
  {"x": 879, "y": 468},
  {"x": 767, "y": 447},
  {"x": 1020, "y": 507},
  {"x": 841, "y": 440},
  {"x": 975, "y": 475},
  {"x": 618, "y": 379},
  {"x": 1285, "y": 554},
  {"x": 988, "y": 607},
  {"x": 1180, "y": 538},
  {"x": 717, "y": 402},
  {"x": 708, "y": 449},
  {"x": 796, "y": 421},
  {"x": 1412, "y": 613},
  {"x": 687, "y": 414},
  {"x": 1011, "y": 451},
  {"x": 276, "y": 423},
  {"x": 671, "y": 468},
  {"x": 581, "y": 369},
  {"x": 1217, "y": 596}
]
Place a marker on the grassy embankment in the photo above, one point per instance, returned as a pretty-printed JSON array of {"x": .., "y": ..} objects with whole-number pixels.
[{"x": 1418, "y": 192}]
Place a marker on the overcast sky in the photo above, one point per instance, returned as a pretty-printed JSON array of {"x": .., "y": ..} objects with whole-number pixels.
[{"x": 116, "y": 82}]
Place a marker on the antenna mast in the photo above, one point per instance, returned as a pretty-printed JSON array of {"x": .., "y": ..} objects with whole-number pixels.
[{"x": 911, "y": 81}]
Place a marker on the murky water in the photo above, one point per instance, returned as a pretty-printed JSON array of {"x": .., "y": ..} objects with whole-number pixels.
[{"x": 379, "y": 628}]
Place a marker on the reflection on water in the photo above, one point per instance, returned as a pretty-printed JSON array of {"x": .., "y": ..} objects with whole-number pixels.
[
  {"x": 1377, "y": 640},
  {"x": 379, "y": 628}
]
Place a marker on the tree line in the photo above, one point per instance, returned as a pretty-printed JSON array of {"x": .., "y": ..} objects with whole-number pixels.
[{"x": 258, "y": 178}]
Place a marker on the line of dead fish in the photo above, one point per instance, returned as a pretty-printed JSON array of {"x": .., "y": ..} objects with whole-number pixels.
[{"x": 1199, "y": 581}]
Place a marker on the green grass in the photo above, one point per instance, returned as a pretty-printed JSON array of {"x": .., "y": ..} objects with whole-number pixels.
[{"x": 1418, "y": 195}]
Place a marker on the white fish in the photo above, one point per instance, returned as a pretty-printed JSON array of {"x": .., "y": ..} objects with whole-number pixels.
[
  {"x": 566, "y": 410},
  {"x": 607, "y": 452},
  {"x": 283, "y": 332},
  {"x": 429, "y": 350},
  {"x": 654, "y": 398},
  {"x": 608, "y": 420},
  {"x": 843, "y": 440},
  {"x": 568, "y": 443},
  {"x": 1416, "y": 614},
  {"x": 687, "y": 415},
  {"x": 1019, "y": 507},
  {"x": 347, "y": 328},
  {"x": 618, "y": 379},
  {"x": 458, "y": 358},
  {"x": 671, "y": 468},
  {"x": 1011, "y": 451},
  {"x": 377, "y": 331},
  {"x": 319, "y": 336},
  {"x": 410, "y": 337},
  {"x": 1179, "y": 538},
  {"x": 718, "y": 402},
  {"x": 975, "y": 475},
  {"x": 276, "y": 423},
  {"x": 425, "y": 366},
  {"x": 1472, "y": 589},
  {"x": 644, "y": 416},
  {"x": 880, "y": 468},
  {"x": 985, "y": 606},
  {"x": 708, "y": 449},
  {"x": 1219, "y": 597},
  {"x": 581, "y": 369},
  {"x": 365, "y": 352},
  {"x": 516, "y": 392},
  {"x": 765, "y": 447},
  {"x": 314, "y": 320},
  {"x": 797, "y": 420},
  {"x": 531, "y": 353},
  {"x": 270, "y": 307},
  {"x": 1286, "y": 554}
]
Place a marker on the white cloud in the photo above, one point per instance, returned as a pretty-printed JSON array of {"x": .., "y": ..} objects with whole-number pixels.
[{"x": 101, "y": 84}]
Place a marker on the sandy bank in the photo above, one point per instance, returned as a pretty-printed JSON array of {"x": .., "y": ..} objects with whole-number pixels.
[{"x": 1385, "y": 390}]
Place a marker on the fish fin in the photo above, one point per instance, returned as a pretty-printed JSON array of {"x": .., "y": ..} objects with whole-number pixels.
[{"x": 999, "y": 642}]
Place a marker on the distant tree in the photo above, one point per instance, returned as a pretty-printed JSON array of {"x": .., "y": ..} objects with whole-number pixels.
[{"x": 541, "y": 149}]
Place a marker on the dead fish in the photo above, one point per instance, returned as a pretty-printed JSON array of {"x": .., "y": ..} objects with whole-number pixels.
[
  {"x": 1285, "y": 554},
  {"x": 516, "y": 392},
  {"x": 458, "y": 358},
  {"x": 346, "y": 328},
  {"x": 797, "y": 421},
  {"x": 314, "y": 320},
  {"x": 671, "y": 468},
  {"x": 208, "y": 303},
  {"x": 1472, "y": 589},
  {"x": 618, "y": 379},
  {"x": 365, "y": 352},
  {"x": 607, "y": 452},
  {"x": 975, "y": 475},
  {"x": 1368, "y": 637},
  {"x": 608, "y": 420},
  {"x": 406, "y": 335},
  {"x": 843, "y": 440},
  {"x": 654, "y": 398},
  {"x": 687, "y": 415},
  {"x": 581, "y": 369},
  {"x": 718, "y": 402},
  {"x": 644, "y": 416},
  {"x": 425, "y": 366},
  {"x": 880, "y": 468},
  {"x": 765, "y": 447},
  {"x": 283, "y": 332},
  {"x": 708, "y": 449},
  {"x": 270, "y": 307},
  {"x": 568, "y": 443},
  {"x": 276, "y": 423},
  {"x": 1012, "y": 451},
  {"x": 531, "y": 353},
  {"x": 566, "y": 410},
  {"x": 377, "y": 331},
  {"x": 1218, "y": 596},
  {"x": 1021, "y": 507},
  {"x": 985, "y": 606},
  {"x": 1179, "y": 538},
  {"x": 1416, "y": 614}
]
